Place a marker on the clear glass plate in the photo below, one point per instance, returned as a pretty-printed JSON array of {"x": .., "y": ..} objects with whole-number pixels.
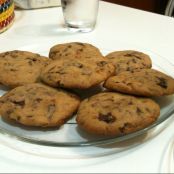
[{"x": 69, "y": 135}]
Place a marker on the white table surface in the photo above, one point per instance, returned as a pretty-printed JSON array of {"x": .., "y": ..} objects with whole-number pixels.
[{"x": 117, "y": 26}]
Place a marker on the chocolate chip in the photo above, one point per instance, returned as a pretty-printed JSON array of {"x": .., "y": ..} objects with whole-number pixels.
[
  {"x": 66, "y": 49},
  {"x": 79, "y": 65},
  {"x": 32, "y": 59},
  {"x": 128, "y": 55},
  {"x": 137, "y": 57},
  {"x": 145, "y": 64},
  {"x": 30, "y": 63},
  {"x": 18, "y": 118},
  {"x": 72, "y": 96},
  {"x": 162, "y": 82},
  {"x": 1, "y": 101},
  {"x": 35, "y": 102},
  {"x": 148, "y": 110},
  {"x": 8, "y": 112},
  {"x": 133, "y": 55},
  {"x": 93, "y": 105},
  {"x": 53, "y": 54},
  {"x": 29, "y": 116},
  {"x": 139, "y": 111},
  {"x": 130, "y": 103},
  {"x": 60, "y": 84},
  {"x": 5, "y": 54},
  {"x": 8, "y": 64},
  {"x": 101, "y": 63},
  {"x": 81, "y": 50},
  {"x": 125, "y": 127},
  {"x": 52, "y": 68},
  {"x": 61, "y": 71},
  {"x": 108, "y": 118},
  {"x": 19, "y": 103},
  {"x": 38, "y": 100},
  {"x": 108, "y": 100},
  {"x": 81, "y": 44},
  {"x": 14, "y": 55},
  {"x": 111, "y": 57},
  {"x": 13, "y": 70},
  {"x": 129, "y": 84}
]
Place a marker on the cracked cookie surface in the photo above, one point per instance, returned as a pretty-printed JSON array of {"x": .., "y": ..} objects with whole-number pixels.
[
  {"x": 129, "y": 60},
  {"x": 77, "y": 73},
  {"x": 38, "y": 105},
  {"x": 145, "y": 82},
  {"x": 20, "y": 67},
  {"x": 74, "y": 50},
  {"x": 114, "y": 114}
]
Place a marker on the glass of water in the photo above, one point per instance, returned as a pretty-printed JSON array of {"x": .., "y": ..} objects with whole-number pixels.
[{"x": 80, "y": 15}]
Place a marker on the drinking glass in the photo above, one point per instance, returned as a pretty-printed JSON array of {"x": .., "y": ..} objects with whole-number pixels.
[{"x": 80, "y": 15}]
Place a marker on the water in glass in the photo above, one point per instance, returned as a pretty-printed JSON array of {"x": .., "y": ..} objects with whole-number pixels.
[{"x": 80, "y": 15}]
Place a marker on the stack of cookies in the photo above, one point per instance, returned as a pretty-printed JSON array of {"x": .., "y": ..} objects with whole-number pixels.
[{"x": 40, "y": 95}]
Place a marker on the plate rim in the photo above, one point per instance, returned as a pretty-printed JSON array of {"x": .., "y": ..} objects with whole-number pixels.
[{"x": 103, "y": 141}]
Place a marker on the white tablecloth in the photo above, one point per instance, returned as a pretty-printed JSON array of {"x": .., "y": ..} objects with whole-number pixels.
[{"x": 117, "y": 27}]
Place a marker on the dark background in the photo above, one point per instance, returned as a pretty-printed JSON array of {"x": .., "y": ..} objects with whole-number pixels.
[{"x": 156, "y": 6}]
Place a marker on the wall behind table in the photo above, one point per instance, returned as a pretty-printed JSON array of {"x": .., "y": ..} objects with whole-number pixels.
[{"x": 156, "y": 6}]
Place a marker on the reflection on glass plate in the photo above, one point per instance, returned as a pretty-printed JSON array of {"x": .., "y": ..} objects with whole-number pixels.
[
  {"x": 69, "y": 134},
  {"x": 119, "y": 149}
]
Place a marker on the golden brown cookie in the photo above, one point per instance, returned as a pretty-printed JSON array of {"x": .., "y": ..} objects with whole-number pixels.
[
  {"x": 74, "y": 50},
  {"x": 129, "y": 60},
  {"x": 38, "y": 105},
  {"x": 77, "y": 73},
  {"x": 145, "y": 82},
  {"x": 115, "y": 114},
  {"x": 20, "y": 67}
]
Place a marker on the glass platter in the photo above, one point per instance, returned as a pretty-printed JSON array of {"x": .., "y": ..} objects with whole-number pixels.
[{"x": 69, "y": 135}]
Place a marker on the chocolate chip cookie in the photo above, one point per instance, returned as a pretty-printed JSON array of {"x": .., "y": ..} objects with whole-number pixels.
[
  {"x": 129, "y": 60},
  {"x": 145, "y": 82},
  {"x": 113, "y": 114},
  {"x": 77, "y": 73},
  {"x": 20, "y": 67},
  {"x": 74, "y": 50},
  {"x": 38, "y": 105}
]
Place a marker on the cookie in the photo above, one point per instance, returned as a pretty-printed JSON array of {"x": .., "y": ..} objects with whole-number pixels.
[
  {"x": 74, "y": 50},
  {"x": 129, "y": 60},
  {"x": 114, "y": 114},
  {"x": 145, "y": 82},
  {"x": 76, "y": 73},
  {"x": 20, "y": 67},
  {"x": 38, "y": 105}
]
